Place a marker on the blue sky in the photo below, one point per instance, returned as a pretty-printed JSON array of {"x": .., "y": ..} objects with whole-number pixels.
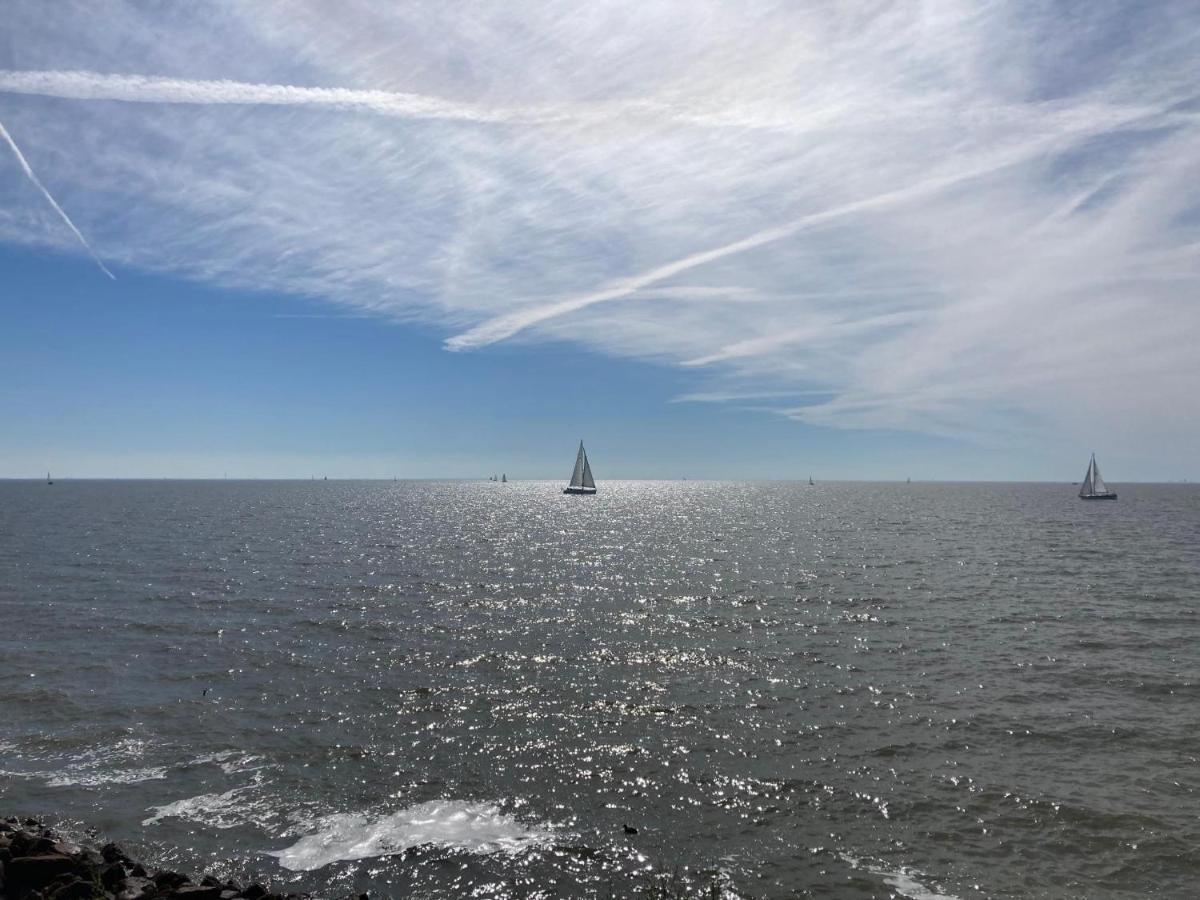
[{"x": 946, "y": 240}]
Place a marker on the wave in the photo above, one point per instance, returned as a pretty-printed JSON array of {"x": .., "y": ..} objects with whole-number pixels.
[
  {"x": 902, "y": 880},
  {"x": 93, "y": 778},
  {"x": 456, "y": 824}
]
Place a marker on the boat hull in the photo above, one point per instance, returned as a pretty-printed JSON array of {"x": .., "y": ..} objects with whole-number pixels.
[
  {"x": 579, "y": 490},
  {"x": 1111, "y": 495}
]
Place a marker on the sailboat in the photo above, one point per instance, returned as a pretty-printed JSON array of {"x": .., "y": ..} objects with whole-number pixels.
[
  {"x": 581, "y": 477},
  {"x": 503, "y": 478},
  {"x": 1093, "y": 487},
  {"x": 48, "y": 479},
  {"x": 810, "y": 481}
]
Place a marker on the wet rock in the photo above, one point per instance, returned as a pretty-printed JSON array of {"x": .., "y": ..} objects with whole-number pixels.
[
  {"x": 111, "y": 876},
  {"x": 139, "y": 870},
  {"x": 196, "y": 892},
  {"x": 111, "y": 853},
  {"x": 254, "y": 892},
  {"x": 25, "y": 874},
  {"x": 76, "y": 889},
  {"x": 229, "y": 894},
  {"x": 136, "y": 888},
  {"x": 170, "y": 880},
  {"x": 209, "y": 881}
]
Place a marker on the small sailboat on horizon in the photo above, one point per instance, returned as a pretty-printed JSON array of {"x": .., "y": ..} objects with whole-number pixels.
[
  {"x": 581, "y": 477},
  {"x": 1093, "y": 487},
  {"x": 49, "y": 480}
]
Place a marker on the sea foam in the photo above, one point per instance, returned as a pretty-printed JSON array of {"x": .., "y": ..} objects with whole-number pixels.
[
  {"x": 457, "y": 824},
  {"x": 903, "y": 880}
]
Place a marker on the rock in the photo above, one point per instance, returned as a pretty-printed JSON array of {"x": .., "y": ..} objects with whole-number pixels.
[
  {"x": 209, "y": 881},
  {"x": 77, "y": 889},
  {"x": 254, "y": 892},
  {"x": 229, "y": 894},
  {"x": 111, "y": 876},
  {"x": 196, "y": 892},
  {"x": 136, "y": 888},
  {"x": 111, "y": 853},
  {"x": 139, "y": 871},
  {"x": 21, "y": 843},
  {"x": 25, "y": 874},
  {"x": 170, "y": 880}
]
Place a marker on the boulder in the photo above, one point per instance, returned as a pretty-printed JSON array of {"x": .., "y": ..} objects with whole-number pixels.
[
  {"x": 76, "y": 889},
  {"x": 111, "y": 853},
  {"x": 25, "y": 874},
  {"x": 111, "y": 876},
  {"x": 167, "y": 881},
  {"x": 135, "y": 888},
  {"x": 196, "y": 892}
]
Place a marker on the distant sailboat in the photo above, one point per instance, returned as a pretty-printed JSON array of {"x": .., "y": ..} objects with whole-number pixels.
[
  {"x": 1093, "y": 487},
  {"x": 503, "y": 478},
  {"x": 581, "y": 478},
  {"x": 810, "y": 481},
  {"x": 48, "y": 479}
]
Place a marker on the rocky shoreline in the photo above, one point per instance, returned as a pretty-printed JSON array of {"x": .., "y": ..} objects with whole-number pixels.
[{"x": 36, "y": 863}]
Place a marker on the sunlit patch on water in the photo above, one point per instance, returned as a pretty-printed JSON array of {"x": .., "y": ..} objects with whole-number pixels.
[{"x": 452, "y": 824}]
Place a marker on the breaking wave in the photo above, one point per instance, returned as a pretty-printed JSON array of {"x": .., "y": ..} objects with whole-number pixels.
[{"x": 457, "y": 824}]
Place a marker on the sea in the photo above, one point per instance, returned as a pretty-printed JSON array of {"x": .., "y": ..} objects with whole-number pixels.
[{"x": 669, "y": 689}]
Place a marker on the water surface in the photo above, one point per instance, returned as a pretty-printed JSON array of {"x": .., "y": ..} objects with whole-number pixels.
[{"x": 849, "y": 690}]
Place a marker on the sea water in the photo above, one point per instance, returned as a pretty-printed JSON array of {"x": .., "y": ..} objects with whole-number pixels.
[{"x": 482, "y": 689}]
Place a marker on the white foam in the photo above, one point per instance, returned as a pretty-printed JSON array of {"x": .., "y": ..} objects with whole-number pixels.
[
  {"x": 474, "y": 827},
  {"x": 903, "y": 880},
  {"x": 210, "y": 808},
  {"x": 82, "y": 777}
]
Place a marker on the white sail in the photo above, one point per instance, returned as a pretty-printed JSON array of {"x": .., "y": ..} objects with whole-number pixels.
[
  {"x": 1098, "y": 485},
  {"x": 588, "y": 481},
  {"x": 1086, "y": 487},
  {"x": 580, "y": 465}
]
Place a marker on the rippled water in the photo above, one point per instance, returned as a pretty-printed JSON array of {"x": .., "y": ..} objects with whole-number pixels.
[{"x": 848, "y": 689}]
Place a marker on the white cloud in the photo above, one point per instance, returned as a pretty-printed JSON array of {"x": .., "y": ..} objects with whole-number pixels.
[{"x": 946, "y": 217}]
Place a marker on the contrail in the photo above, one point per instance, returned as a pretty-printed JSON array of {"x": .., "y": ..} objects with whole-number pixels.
[
  {"x": 45, "y": 193},
  {"x": 78, "y": 85}
]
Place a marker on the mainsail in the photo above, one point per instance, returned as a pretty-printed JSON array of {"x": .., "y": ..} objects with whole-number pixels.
[
  {"x": 582, "y": 481},
  {"x": 1093, "y": 487},
  {"x": 580, "y": 463}
]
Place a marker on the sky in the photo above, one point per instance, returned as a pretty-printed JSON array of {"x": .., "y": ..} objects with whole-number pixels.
[{"x": 285, "y": 238}]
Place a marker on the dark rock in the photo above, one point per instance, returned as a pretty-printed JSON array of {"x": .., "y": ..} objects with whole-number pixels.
[
  {"x": 229, "y": 894},
  {"x": 209, "y": 881},
  {"x": 112, "y": 876},
  {"x": 170, "y": 880},
  {"x": 254, "y": 892},
  {"x": 111, "y": 853},
  {"x": 21, "y": 843},
  {"x": 139, "y": 871},
  {"x": 25, "y": 874},
  {"x": 44, "y": 845},
  {"x": 76, "y": 889},
  {"x": 196, "y": 892},
  {"x": 136, "y": 888}
]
